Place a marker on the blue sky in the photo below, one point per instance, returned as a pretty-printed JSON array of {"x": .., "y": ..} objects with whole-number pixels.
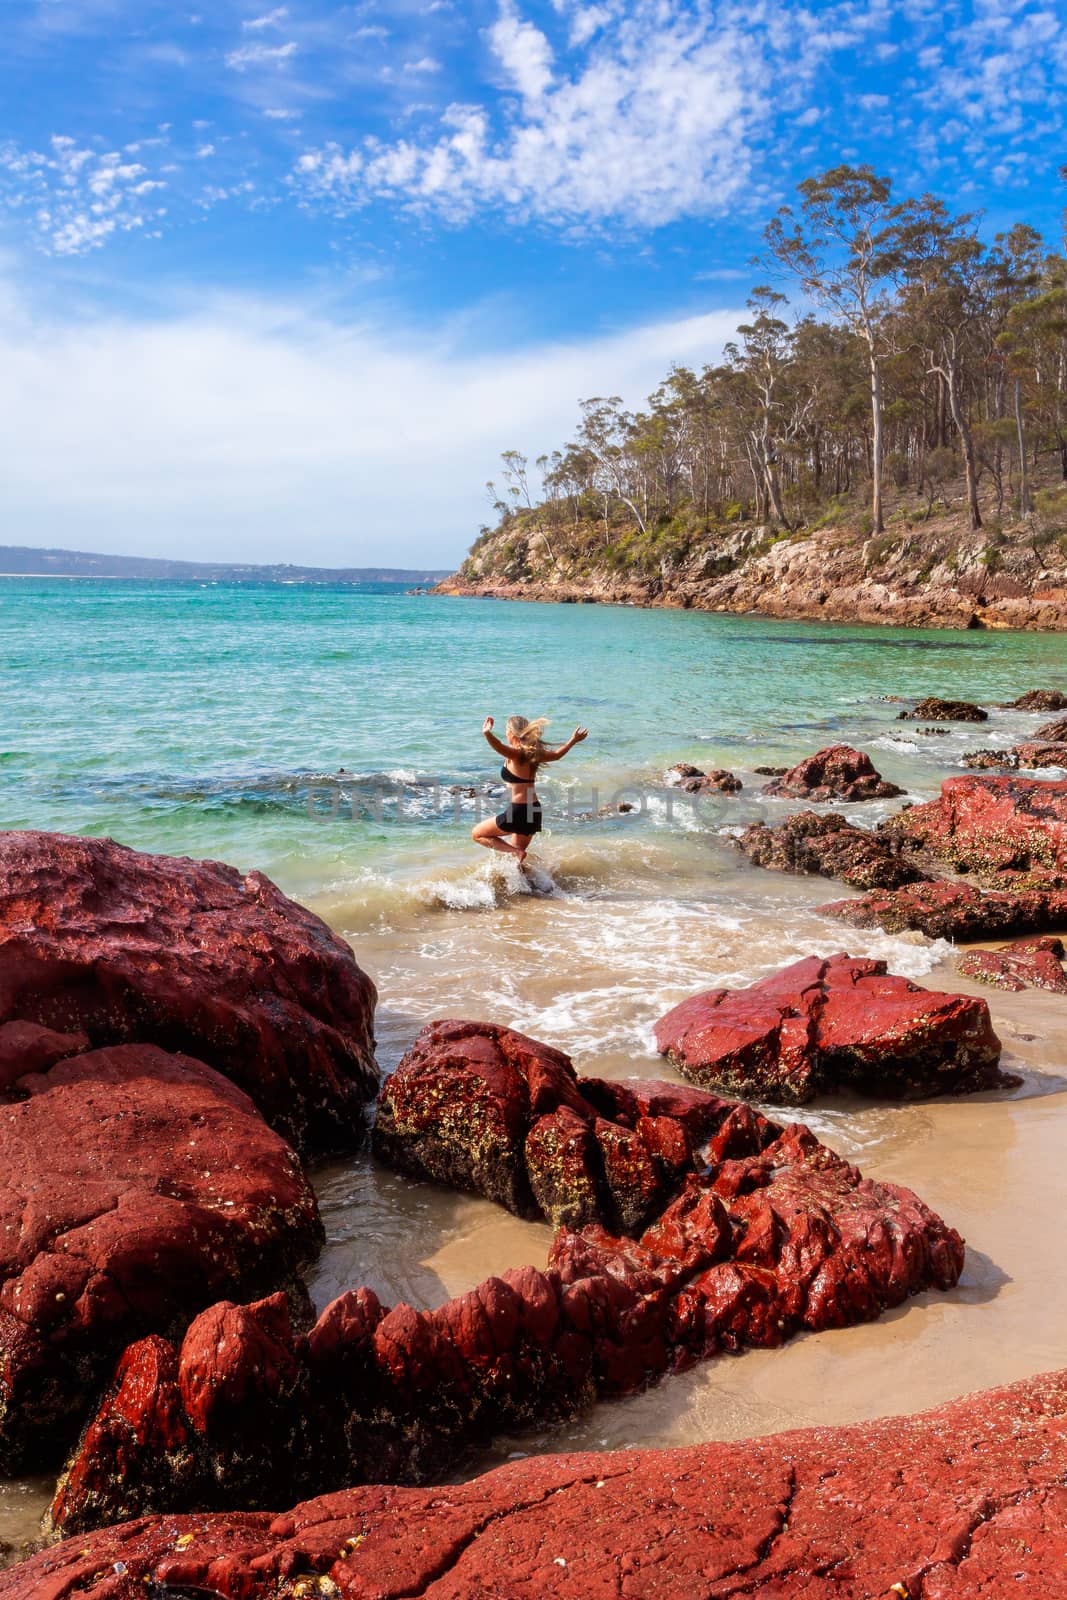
[{"x": 282, "y": 281}]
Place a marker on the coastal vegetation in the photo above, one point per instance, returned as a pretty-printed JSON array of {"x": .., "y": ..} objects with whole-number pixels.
[{"x": 915, "y": 383}]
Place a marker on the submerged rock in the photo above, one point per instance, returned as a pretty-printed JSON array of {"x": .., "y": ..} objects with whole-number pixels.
[
  {"x": 825, "y": 845},
  {"x": 837, "y": 773},
  {"x": 1026, "y": 964},
  {"x": 934, "y": 710},
  {"x": 962, "y": 1501},
  {"x": 768, "y": 1233},
  {"x": 954, "y": 910},
  {"x": 195, "y": 957},
  {"x": 985, "y": 825},
  {"x": 819, "y": 1026},
  {"x": 987, "y": 760},
  {"x": 136, "y": 1187}
]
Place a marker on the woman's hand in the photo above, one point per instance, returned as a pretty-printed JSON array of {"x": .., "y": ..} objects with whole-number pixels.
[
  {"x": 579, "y": 734},
  {"x": 487, "y": 725}
]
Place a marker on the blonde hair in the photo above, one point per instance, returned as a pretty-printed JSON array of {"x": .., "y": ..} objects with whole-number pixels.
[{"x": 526, "y": 736}]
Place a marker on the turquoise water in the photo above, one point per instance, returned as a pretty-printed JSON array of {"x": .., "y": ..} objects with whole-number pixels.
[
  {"x": 199, "y": 718},
  {"x": 204, "y": 719}
]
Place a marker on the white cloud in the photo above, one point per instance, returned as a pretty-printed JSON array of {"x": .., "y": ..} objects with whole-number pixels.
[
  {"x": 270, "y": 19},
  {"x": 75, "y": 197},
  {"x": 250, "y": 430},
  {"x": 523, "y": 52},
  {"x": 251, "y": 55},
  {"x": 649, "y": 111}
]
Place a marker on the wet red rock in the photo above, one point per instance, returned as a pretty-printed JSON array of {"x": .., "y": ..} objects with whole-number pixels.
[
  {"x": 837, "y": 773},
  {"x": 821, "y": 1025},
  {"x": 195, "y": 957},
  {"x": 1034, "y": 755},
  {"x": 954, "y": 910},
  {"x": 958, "y": 1503},
  {"x": 693, "y": 780},
  {"x": 1054, "y": 732},
  {"x": 1039, "y": 700},
  {"x": 823, "y": 844},
  {"x": 123, "y": 1210},
  {"x": 933, "y": 709},
  {"x": 667, "y": 1259},
  {"x": 1026, "y": 964},
  {"x": 985, "y": 825},
  {"x": 488, "y": 1110}
]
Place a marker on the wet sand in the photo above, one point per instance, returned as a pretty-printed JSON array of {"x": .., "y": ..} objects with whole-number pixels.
[{"x": 991, "y": 1164}]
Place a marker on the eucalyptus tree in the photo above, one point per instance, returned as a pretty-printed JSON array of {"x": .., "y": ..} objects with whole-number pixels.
[
  {"x": 945, "y": 302},
  {"x": 839, "y": 249},
  {"x": 762, "y": 364}
]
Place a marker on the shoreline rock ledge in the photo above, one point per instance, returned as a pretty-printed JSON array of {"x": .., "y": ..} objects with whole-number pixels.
[{"x": 965, "y": 1501}]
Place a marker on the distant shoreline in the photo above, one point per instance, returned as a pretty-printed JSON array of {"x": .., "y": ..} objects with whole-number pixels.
[
  {"x": 41, "y": 561},
  {"x": 162, "y": 577}
]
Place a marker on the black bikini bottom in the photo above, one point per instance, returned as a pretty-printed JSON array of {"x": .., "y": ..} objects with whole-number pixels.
[{"x": 520, "y": 819}]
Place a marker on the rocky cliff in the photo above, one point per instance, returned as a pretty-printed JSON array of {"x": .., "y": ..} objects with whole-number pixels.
[{"x": 920, "y": 573}]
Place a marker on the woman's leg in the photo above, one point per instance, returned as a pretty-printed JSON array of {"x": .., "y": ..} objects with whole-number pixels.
[
  {"x": 489, "y": 834},
  {"x": 523, "y": 842}
]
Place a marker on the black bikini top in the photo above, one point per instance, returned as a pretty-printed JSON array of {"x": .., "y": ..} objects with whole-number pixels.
[{"x": 510, "y": 777}]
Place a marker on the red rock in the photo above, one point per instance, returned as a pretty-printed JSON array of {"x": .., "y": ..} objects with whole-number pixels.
[
  {"x": 772, "y": 1234},
  {"x": 720, "y": 781},
  {"x": 123, "y": 1212},
  {"x": 958, "y": 1503},
  {"x": 934, "y": 710},
  {"x": 681, "y": 772},
  {"x": 837, "y": 773},
  {"x": 25, "y": 1047},
  {"x": 1053, "y": 732},
  {"x": 1026, "y": 964},
  {"x": 985, "y": 825},
  {"x": 825, "y": 845},
  {"x": 684, "y": 776},
  {"x": 1039, "y": 700},
  {"x": 1034, "y": 755},
  {"x": 485, "y": 1109},
  {"x": 1037, "y": 753},
  {"x": 821, "y": 1025},
  {"x": 953, "y": 910},
  {"x": 197, "y": 958}
]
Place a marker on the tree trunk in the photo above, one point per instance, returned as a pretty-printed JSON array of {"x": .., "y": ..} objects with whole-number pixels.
[
  {"x": 970, "y": 466},
  {"x": 876, "y": 443},
  {"x": 1025, "y": 506}
]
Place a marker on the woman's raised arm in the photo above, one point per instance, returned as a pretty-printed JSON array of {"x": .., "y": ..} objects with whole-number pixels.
[
  {"x": 576, "y": 738},
  {"x": 506, "y": 750}
]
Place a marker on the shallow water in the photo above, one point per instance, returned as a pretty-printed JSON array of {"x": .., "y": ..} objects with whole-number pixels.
[{"x": 203, "y": 719}]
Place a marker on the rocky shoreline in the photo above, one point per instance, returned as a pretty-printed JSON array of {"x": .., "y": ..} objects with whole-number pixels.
[
  {"x": 823, "y": 575},
  {"x": 962, "y": 1501},
  {"x": 177, "y": 1040}
]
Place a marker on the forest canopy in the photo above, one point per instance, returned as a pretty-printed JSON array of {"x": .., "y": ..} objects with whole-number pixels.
[{"x": 923, "y": 354}]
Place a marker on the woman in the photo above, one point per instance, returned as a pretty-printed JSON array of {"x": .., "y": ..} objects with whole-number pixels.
[{"x": 523, "y": 754}]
